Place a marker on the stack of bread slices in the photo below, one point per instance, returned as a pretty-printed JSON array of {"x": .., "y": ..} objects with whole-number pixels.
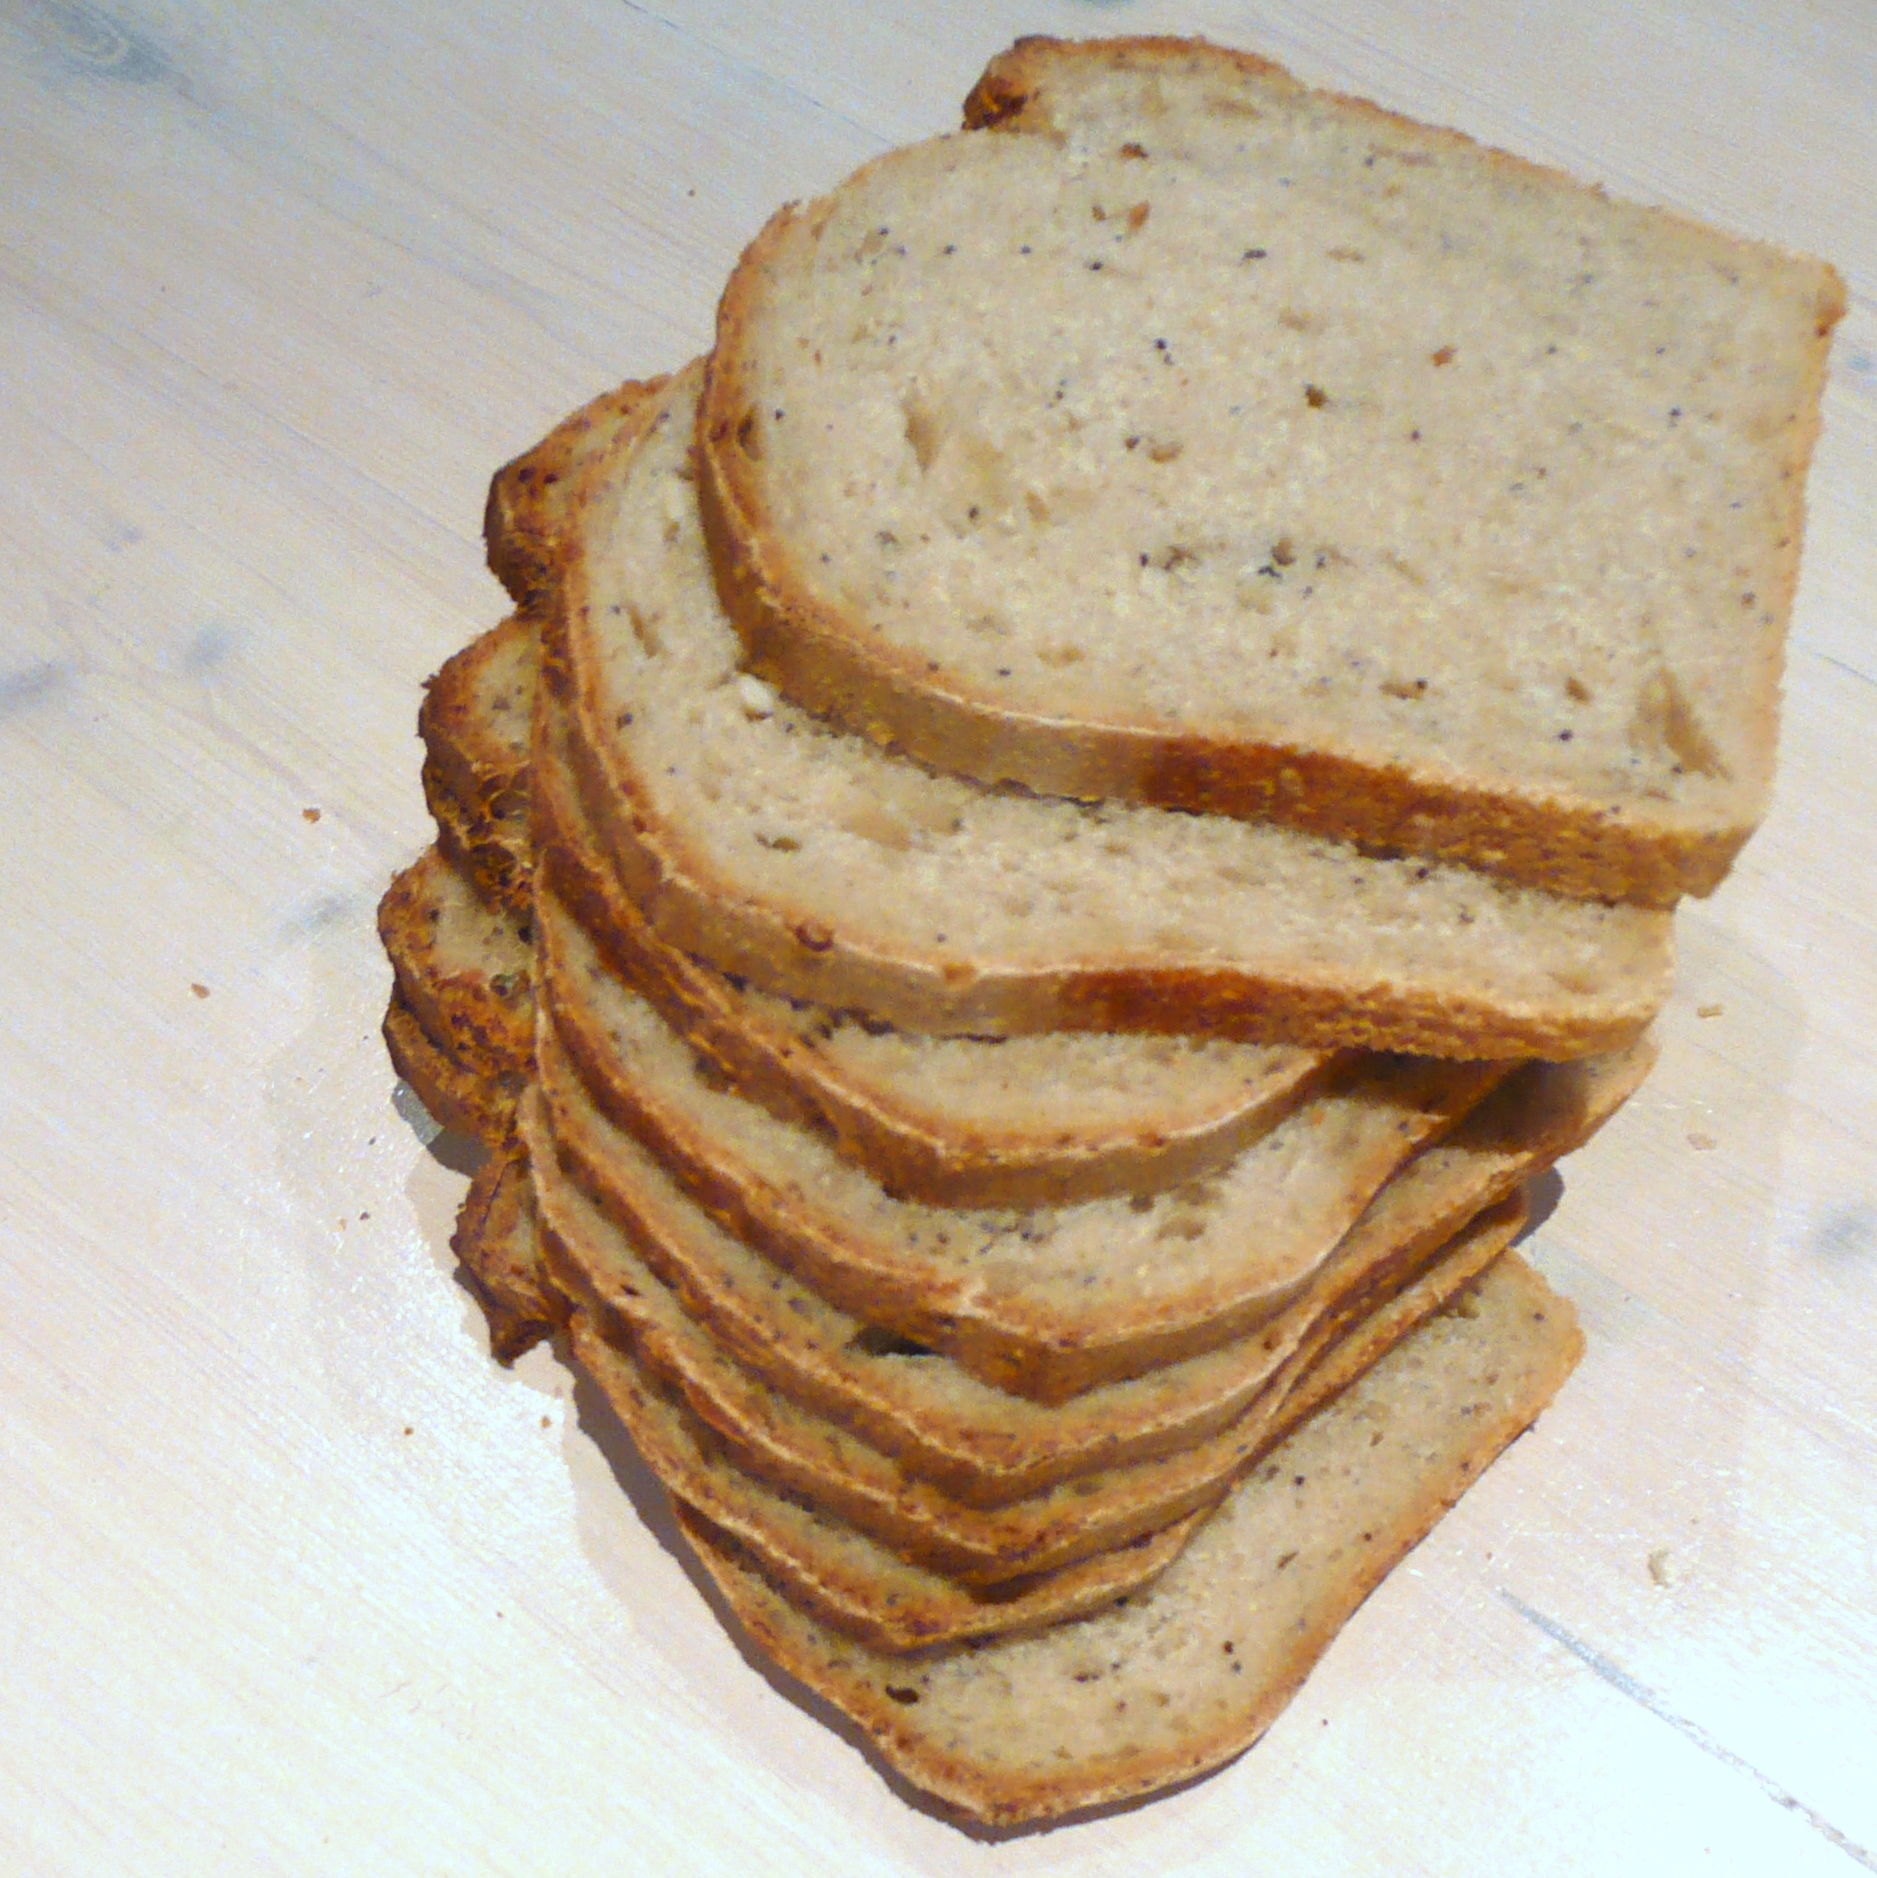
[{"x": 1062, "y": 827}]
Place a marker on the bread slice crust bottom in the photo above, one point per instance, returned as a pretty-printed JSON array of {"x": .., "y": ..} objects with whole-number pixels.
[
  {"x": 1641, "y": 808},
  {"x": 1180, "y": 1679}
]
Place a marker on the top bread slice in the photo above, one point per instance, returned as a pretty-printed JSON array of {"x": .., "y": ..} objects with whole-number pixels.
[
  {"x": 821, "y": 867},
  {"x": 1181, "y": 434}
]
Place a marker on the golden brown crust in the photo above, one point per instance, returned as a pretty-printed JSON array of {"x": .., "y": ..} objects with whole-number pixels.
[
  {"x": 1530, "y": 833},
  {"x": 495, "y": 1243},
  {"x": 475, "y": 772},
  {"x": 497, "y": 861},
  {"x": 476, "y": 1004},
  {"x": 529, "y": 499},
  {"x": 477, "y": 744},
  {"x": 1008, "y": 96},
  {"x": 1104, "y": 1511},
  {"x": 461, "y": 1101}
]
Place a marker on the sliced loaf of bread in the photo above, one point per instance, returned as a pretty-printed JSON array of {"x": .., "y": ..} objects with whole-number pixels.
[
  {"x": 980, "y": 1444},
  {"x": 1177, "y": 1680},
  {"x": 1046, "y": 1301},
  {"x": 821, "y": 867},
  {"x": 1189, "y": 436},
  {"x": 953, "y": 1121},
  {"x": 803, "y": 1453},
  {"x": 840, "y": 1575}
]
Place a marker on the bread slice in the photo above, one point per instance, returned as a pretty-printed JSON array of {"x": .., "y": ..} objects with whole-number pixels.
[
  {"x": 1182, "y": 1677},
  {"x": 475, "y": 716},
  {"x": 530, "y": 499},
  {"x": 953, "y": 1121},
  {"x": 474, "y": 721},
  {"x": 848, "y": 1580},
  {"x": 959, "y": 1121},
  {"x": 496, "y": 1242},
  {"x": 1188, "y": 436},
  {"x": 1043, "y": 1302},
  {"x": 463, "y": 968},
  {"x": 982, "y": 1445},
  {"x": 466, "y": 1101},
  {"x": 820, "y": 867},
  {"x": 803, "y": 1453}
]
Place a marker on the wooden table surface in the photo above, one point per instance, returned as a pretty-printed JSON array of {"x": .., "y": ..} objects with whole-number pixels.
[{"x": 292, "y": 1578}]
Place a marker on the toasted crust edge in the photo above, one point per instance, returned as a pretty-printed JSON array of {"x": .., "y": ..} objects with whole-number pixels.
[
  {"x": 495, "y": 1244},
  {"x": 460, "y": 1100},
  {"x": 484, "y": 1026},
  {"x": 526, "y": 508}
]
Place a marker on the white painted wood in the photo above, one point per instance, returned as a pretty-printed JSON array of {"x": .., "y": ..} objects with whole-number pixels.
[{"x": 291, "y": 1578}]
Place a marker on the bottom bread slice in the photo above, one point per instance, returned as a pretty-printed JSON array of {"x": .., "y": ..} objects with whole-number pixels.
[{"x": 1176, "y": 1680}]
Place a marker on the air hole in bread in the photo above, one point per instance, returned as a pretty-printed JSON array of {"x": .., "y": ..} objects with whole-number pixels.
[
  {"x": 922, "y": 430},
  {"x": 877, "y": 1340}
]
